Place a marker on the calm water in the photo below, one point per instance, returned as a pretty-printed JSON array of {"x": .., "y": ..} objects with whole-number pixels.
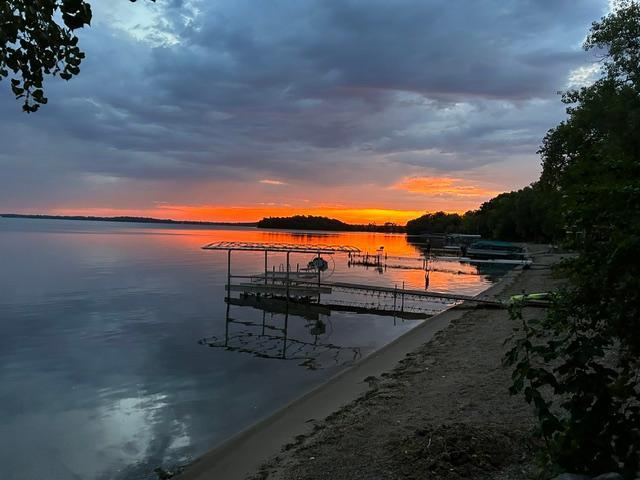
[{"x": 103, "y": 372}]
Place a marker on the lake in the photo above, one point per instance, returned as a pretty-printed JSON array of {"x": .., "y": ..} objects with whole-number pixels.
[{"x": 106, "y": 363}]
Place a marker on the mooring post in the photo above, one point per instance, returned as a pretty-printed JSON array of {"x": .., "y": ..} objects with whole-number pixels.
[
  {"x": 286, "y": 332},
  {"x": 318, "y": 265},
  {"x": 287, "y": 277},
  {"x": 266, "y": 266},
  {"x": 395, "y": 297},
  {"x": 227, "y": 320},
  {"x": 402, "y": 300},
  {"x": 228, "y": 274}
]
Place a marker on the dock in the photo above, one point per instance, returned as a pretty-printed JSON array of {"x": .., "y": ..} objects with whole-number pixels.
[
  {"x": 306, "y": 286},
  {"x": 395, "y": 291},
  {"x": 302, "y": 285}
]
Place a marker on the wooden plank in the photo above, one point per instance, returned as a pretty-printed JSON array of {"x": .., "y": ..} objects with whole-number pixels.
[
  {"x": 306, "y": 290},
  {"x": 413, "y": 293}
]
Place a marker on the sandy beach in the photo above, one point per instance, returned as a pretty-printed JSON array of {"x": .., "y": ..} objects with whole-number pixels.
[{"x": 432, "y": 404}]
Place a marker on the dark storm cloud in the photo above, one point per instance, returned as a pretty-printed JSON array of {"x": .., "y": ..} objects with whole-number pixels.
[{"x": 289, "y": 89}]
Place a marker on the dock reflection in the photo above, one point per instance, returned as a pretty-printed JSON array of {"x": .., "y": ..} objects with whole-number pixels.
[{"x": 301, "y": 337}]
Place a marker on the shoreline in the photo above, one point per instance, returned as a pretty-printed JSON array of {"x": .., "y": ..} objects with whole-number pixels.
[
  {"x": 246, "y": 452},
  {"x": 126, "y": 219}
]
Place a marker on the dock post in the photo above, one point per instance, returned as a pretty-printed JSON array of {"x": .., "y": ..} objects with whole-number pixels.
[
  {"x": 266, "y": 267},
  {"x": 286, "y": 332},
  {"x": 227, "y": 320},
  {"x": 229, "y": 274},
  {"x": 318, "y": 265},
  {"x": 395, "y": 298},
  {"x": 402, "y": 299},
  {"x": 287, "y": 277}
]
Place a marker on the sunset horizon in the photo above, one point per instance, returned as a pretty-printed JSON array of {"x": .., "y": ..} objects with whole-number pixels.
[
  {"x": 323, "y": 239},
  {"x": 218, "y": 130},
  {"x": 248, "y": 214}
]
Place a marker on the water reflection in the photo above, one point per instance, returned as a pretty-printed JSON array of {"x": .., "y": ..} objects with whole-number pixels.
[
  {"x": 271, "y": 338},
  {"x": 101, "y": 375}
]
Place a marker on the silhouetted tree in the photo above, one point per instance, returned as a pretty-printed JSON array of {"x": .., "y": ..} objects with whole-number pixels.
[
  {"x": 37, "y": 39},
  {"x": 588, "y": 345}
]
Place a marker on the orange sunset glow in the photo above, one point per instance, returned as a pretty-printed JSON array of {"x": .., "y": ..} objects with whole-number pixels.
[
  {"x": 397, "y": 202},
  {"x": 443, "y": 186},
  {"x": 252, "y": 214}
]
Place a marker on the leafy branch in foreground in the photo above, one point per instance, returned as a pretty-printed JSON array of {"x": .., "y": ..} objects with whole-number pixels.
[
  {"x": 37, "y": 39},
  {"x": 584, "y": 392},
  {"x": 580, "y": 365}
]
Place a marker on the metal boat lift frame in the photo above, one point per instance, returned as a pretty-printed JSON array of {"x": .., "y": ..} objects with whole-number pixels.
[
  {"x": 287, "y": 248},
  {"x": 317, "y": 287}
]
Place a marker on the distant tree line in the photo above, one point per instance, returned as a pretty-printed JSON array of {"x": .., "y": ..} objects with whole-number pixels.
[
  {"x": 311, "y": 222},
  {"x": 530, "y": 214},
  {"x": 124, "y": 219}
]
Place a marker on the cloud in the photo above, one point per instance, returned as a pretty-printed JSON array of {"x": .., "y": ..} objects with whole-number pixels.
[
  {"x": 443, "y": 186},
  {"x": 584, "y": 75},
  {"x": 267, "y": 181},
  {"x": 180, "y": 93}
]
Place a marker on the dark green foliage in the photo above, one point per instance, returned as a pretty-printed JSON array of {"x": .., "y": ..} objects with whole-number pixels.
[
  {"x": 37, "y": 39},
  {"x": 310, "y": 222},
  {"x": 439, "y": 222},
  {"x": 529, "y": 214},
  {"x": 591, "y": 336},
  {"x": 304, "y": 222},
  {"x": 587, "y": 404}
]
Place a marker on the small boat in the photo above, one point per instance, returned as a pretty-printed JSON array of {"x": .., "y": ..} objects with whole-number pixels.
[
  {"x": 454, "y": 242},
  {"x": 495, "y": 250}
]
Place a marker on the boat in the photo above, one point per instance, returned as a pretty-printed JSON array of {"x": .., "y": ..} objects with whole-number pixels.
[
  {"x": 454, "y": 242},
  {"x": 495, "y": 250}
]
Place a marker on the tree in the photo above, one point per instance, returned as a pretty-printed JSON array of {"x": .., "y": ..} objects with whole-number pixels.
[
  {"x": 587, "y": 350},
  {"x": 529, "y": 214},
  {"x": 526, "y": 215},
  {"x": 37, "y": 39},
  {"x": 438, "y": 222}
]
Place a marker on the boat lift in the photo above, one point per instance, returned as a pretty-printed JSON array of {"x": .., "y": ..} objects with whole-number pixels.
[
  {"x": 290, "y": 281},
  {"x": 308, "y": 284}
]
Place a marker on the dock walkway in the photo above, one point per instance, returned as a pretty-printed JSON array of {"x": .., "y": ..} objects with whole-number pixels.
[
  {"x": 301, "y": 286},
  {"x": 395, "y": 291}
]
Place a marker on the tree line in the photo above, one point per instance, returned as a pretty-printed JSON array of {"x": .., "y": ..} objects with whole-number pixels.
[
  {"x": 312, "y": 222},
  {"x": 529, "y": 214}
]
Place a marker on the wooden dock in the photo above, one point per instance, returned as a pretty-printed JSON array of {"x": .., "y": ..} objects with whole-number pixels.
[
  {"x": 302, "y": 288},
  {"x": 395, "y": 291},
  {"x": 307, "y": 285}
]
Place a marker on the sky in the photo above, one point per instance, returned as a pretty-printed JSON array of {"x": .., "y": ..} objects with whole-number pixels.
[{"x": 362, "y": 110}]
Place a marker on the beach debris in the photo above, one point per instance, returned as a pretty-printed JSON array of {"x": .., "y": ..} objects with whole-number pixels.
[
  {"x": 456, "y": 451},
  {"x": 372, "y": 380}
]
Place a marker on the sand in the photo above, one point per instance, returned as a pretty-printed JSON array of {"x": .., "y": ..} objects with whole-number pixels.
[{"x": 432, "y": 404}]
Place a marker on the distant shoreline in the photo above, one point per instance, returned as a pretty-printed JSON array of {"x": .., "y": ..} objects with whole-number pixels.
[
  {"x": 265, "y": 223},
  {"x": 125, "y": 219}
]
